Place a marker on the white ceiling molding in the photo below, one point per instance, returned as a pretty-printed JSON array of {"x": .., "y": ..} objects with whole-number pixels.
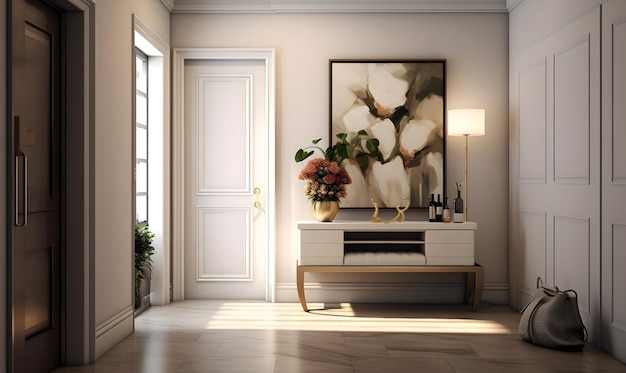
[
  {"x": 336, "y": 6},
  {"x": 510, "y": 4},
  {"x": 169, "y": 4}
]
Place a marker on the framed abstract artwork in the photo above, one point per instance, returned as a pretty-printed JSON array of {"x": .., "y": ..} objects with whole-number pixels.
[{"x": 402, "y": 103}]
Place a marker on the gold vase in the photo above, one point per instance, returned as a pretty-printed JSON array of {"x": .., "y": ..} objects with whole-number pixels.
[{"x": 325, "y": 211}]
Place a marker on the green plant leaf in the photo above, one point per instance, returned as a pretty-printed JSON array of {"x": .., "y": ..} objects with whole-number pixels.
[
  {"x": 362, "y": 159},
  {"x": 342, "y": 151},
  {"x": 372, "y": 146},
  {"x": 302, "y": 155},
  {"x": 143, "y": 254}
]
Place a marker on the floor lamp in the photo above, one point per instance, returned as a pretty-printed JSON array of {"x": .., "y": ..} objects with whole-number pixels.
[{"x": 466, "y": 122}]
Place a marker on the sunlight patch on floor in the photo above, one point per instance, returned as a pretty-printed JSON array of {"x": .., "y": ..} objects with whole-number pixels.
[{"x": 345, "y": 318}]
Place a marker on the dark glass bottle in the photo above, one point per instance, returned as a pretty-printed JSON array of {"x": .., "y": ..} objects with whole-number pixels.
[
  {"x": 447, "y": 216},
  {"x": 439, "y": 209},
  {"x": 431, "y": 209},
  {"x": 458, "y": 208}
]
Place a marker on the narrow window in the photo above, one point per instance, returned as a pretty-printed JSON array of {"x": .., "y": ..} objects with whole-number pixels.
[{"x": 141, "y": 138}]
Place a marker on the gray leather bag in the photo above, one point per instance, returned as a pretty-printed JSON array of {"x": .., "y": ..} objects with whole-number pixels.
[{"x": 552, "y": 319}]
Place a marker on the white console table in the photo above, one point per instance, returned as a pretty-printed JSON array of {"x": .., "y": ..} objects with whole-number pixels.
[{"x": 410, "y": 246}]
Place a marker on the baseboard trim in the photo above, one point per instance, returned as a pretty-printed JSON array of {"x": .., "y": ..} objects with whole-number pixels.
[{"x": 113, "y": 330}]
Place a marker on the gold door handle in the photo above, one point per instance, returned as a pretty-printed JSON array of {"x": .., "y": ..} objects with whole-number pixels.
[{"x": 256, "y": 192}]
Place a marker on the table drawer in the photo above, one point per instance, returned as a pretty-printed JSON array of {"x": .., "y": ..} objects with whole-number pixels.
[
  {"x": 321, "y": 249},
  {"x": 321, "y": 236},
  {"x": 446, "y": 236},
  {"x": 449, "y": 249}
]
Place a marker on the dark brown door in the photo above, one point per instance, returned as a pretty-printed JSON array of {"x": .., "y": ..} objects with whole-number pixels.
[{"x": 36, "y": 252}]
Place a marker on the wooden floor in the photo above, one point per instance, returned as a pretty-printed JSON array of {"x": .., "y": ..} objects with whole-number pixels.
[{"x": 231, "y": 336}]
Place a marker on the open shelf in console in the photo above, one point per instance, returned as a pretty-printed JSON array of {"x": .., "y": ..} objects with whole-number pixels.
[
  {"x": 387, "y": 241},
  {"x": 384, "y": 236}
]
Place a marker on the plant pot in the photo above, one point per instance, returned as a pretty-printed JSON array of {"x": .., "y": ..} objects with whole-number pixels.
[
  {"x": 142, "y": 299},
  {"x": 325, "y": 211}
]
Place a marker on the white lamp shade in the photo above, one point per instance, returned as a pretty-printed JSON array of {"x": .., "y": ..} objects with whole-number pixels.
[{"x": 466, "y": 122}]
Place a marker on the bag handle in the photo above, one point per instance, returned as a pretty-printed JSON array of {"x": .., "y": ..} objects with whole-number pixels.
[
  {"x": 549, "y": 290},
  {"x": 554, "y": 290},
  {"x": 534, "y": 299}
]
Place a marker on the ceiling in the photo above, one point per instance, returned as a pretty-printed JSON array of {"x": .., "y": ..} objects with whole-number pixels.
[{"x": 337, "y": 6}]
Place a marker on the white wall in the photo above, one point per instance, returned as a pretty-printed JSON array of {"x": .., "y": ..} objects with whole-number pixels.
[
  {"x": 475, "y": 46},
  {"x": 114, "y": 162},
  {"x": 566, "y": 114},
  {"x": 555, "y": 146}
]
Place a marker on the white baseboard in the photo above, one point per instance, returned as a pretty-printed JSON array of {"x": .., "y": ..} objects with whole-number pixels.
[
  {"x": 388, "y": 293},
  {"x": 113, "y": 330}
]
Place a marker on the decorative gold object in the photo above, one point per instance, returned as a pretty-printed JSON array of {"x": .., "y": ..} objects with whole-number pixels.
[
  {"x": 325, "y": 211},
  {"x": 399, "y": 217}
]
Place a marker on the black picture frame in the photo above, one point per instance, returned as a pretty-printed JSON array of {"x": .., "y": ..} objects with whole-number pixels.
[{"x": 402, "y": 103}]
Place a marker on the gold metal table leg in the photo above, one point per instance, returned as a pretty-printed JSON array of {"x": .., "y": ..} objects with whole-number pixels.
[
  {"x": 470, "y": 286},
  {"x": 478, "y": 287},
  {"x": 300, "y": 286}
]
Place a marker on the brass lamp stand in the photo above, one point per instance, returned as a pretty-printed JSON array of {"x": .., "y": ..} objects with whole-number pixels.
[{"x": 466, "y": 122}]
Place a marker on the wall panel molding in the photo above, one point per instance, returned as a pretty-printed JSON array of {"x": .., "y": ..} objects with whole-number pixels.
[
  {"x": 572, "y": 127},
  {"x": 563, "y": 18},
  {"x": 618, "y": 257},
  {"x": 215, "y": 107},
  {"x": 572, "y": 251},
  {"x": 210, "y": 263},
  {"x": 618, "y": 112},
  {"x": 532, "y": 123},
  {"x": 533, "y": 244}
]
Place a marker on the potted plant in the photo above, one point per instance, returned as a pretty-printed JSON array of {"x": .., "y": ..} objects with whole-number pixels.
[
  {"x": 143, "y": 262},
  {"x": 326, "y": 177}
]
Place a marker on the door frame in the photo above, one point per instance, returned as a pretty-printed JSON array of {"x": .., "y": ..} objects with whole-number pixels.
[
  {"x": 80, "y": 334},
  {"x": 180, "y": 55}
]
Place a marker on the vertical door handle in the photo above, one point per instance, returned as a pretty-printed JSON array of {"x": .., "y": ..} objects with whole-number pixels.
[
  {"x": 24, "y": 179},
  {"x": 24, "y": 190},
  {"x": 256, "y": 192}
]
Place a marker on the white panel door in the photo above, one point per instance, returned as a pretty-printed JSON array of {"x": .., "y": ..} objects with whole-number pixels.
[
  {"x": 225, "y": 239},
  {"x": 614, "y": 178}
]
